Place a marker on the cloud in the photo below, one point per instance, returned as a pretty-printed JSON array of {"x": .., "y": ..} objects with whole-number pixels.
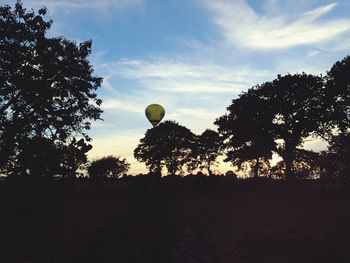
[
  {"x": 181, "y": 76},
  {"x": 55, "y": 6},
  {"x": 67, "y": 6},
  {"x": 122, "y": 105},
  {"x": 243, "y": 27},
  {"x": 315, "y": 144}
]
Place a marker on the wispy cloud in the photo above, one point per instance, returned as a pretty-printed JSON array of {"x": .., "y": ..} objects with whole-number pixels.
[
  {"x": 242, "y": 26},
  {"x": 181, "y": 76},
  {"x": 246, "y": 45},
  {"x": 122, "y": 105},
  {"x": 55, "y": 6}
]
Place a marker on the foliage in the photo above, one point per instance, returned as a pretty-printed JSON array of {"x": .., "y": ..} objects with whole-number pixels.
[
  {"x": 108, "y": 167},
  {"x": 166, "y": 145},
  {"x": 306, "y": 165},
  {"x": 336, "y": 162},
  {"x": 207, "y": 149},
  {"x": 284, "y": 111},
  {"x": 47, "y": 91},
  {"x": 337, "y": 95},
  {"x": 247, "y": 139}
]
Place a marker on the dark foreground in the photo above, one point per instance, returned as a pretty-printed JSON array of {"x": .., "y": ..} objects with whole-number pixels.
[{"x": 176, "y": 222}]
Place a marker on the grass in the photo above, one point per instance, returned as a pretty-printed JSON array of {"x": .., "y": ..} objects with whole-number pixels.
[{"x": 179, "y": 221}]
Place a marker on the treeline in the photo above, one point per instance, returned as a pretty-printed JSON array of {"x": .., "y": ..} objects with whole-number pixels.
[{"x": 48, "y": 100}]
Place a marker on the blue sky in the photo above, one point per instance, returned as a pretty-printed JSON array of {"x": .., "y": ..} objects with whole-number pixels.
[{"x": 193, "y": 56}]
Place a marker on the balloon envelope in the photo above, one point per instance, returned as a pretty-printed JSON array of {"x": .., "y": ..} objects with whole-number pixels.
[{"x": 154, "y": 113}]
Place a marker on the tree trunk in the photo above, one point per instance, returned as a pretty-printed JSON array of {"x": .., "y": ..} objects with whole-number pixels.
[
  {"x": 288, "y": 160},
  {"x": 173, "y": 166},
  {"x": 208, "y": 168},
  {"x": 256, "y": 168}
]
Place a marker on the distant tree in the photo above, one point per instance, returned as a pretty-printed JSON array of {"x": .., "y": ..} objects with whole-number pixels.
[
  {"x": 231, "y": 175},
  {"x": 288, "y": 110},
  {"x": 166, "y": 145},
  {"x": 207, "y": 149},
  {"x": 108, "y": 167},
  {"x": 247, "y": 131},
  {"x": 47, "y": 91}
]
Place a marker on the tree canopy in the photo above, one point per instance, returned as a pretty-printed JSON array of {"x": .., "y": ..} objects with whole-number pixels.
[
  {"x": 108, "y": 167},
  {"x": 275, "y": 116},
  {"x": 247, "y": 130},
  {"x": 166, "y": 145},
  {"x": 47, "y": 87},
  {"x": 337, "y": 94},
  {"x": 207, "y": 149}
]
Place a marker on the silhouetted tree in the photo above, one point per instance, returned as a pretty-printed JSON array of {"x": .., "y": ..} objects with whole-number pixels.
[
  {"x": 247, "y": 131},
  {"x": 166, "y": 145},
  {"x": 231, "y": 175},
  {"x": 41, "y": 157},
  {"x": 334, "y": 163},
  {"x": 47, "y": 91},
  {"x": 337, "y": 96},
  {"x": 287, "y": 109},
  {"x": 340, "y": 150},
  {"x": 305, "y": 165},
  {"x": 207, "y": 149},
  {"x": 296, "y": 104},
  {"x": 72, "y": 156},
  {"x": 108, "y": 167}
]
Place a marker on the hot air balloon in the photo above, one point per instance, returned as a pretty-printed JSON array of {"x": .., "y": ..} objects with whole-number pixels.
[{"x": 154, "y": 113}]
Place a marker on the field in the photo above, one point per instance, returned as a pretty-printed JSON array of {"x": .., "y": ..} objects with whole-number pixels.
[{"x": 176, "y": 221}]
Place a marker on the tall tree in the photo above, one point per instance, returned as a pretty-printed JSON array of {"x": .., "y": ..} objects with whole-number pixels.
[
  {"x": 247, "y": 131},
  {"x": 166, "y": 145},
  {"x": 288, "y": 110},
  {"x": 334, "y": 163},
  {"x": 337, "y": 96},
  {"x": 47, "y": 90},
  {"x": 296, "y": 104}
]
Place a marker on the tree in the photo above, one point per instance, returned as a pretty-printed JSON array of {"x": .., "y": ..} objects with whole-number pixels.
[
  {"x": 297, "y": 109},
  {"x": 275, "y": 116},
  {"x": 207, "y": 149},
  {"x": 337, "y": 96},
  {"x": 247, "y": 137},
  {"x": 334, "y": 163},
  {"x": 340, "y": 150},
  {"x": 166, "y": 145},
  {"x": 108, "y": 167},
  {"x": 306, "y": 164},
  {"x": 47, "y": 90},
  {"x": 41, "y": 157}
]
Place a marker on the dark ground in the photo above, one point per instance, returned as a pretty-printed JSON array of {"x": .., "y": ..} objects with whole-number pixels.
[{"x": 182, "y": 221}]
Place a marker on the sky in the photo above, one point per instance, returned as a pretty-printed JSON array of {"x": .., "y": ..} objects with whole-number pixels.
[{"x": 192, "y": 56}]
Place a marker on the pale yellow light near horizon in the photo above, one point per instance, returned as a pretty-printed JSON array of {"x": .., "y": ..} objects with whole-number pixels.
[{"x": 124, "y": 145}]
